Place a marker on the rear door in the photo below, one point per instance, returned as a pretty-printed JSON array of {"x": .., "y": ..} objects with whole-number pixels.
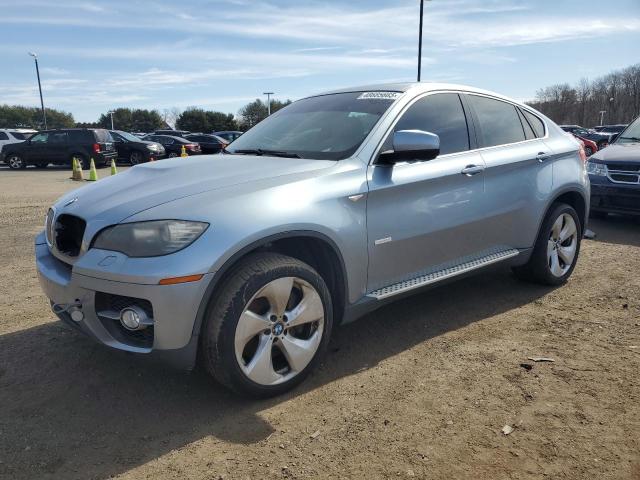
[
  {"x": 518, "y": 175},
  {"x": 57, "y": 147},
  {"x": 423, "y": 215}
]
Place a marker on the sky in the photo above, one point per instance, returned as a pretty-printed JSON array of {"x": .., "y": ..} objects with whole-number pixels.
[{"x": 221, "y": 54}]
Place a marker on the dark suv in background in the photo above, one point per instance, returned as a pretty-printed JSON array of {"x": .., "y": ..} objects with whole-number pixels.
[
  {"x": 60, "y": 146},
  {"x": 615, "y": 175}
]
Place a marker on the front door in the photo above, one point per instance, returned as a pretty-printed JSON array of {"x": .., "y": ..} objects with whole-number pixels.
[{"x": 423, "y": 216}]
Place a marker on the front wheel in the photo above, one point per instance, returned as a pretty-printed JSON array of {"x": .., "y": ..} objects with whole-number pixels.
[
  {"x": 556, "y": 250},
  {"x": 268, "y": 326},
  {"x": 588, "y": 151},
  {"x": 172, "y": 155},
  {"x": 16, "y": 162},
  {"x": 136, "y": 157}
]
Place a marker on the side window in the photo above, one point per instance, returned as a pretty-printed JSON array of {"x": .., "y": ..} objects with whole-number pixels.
[
  {"x": 536, "y": 123},
  {"x": 58, "y": 138},
  {"x": 441, "y": 114},
  {"x": 4, "y": 136},
  {"x": 39, "y": 138},
  {"x": 528, "y": 131},
  {"x": 499, "y": 121}
]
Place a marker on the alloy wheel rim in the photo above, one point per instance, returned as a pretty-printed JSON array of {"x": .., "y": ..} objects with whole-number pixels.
[
  {"x": 15, "y": 162},
  {"x": 562, "y": 245},
  {"x": 135, "y": 158},
  {"x": 279, "y": 331}
]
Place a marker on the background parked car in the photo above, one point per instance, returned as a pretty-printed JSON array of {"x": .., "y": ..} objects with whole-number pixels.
[
  {"x": 14, "y": 135},
  {"x": 60, "y": 146},
  {"x": 590, "y": 147},
  {"x": 602, "y": 139},
  {"x": 173, "y": 133},
  {"x": 613, "y": 130},
  {"x": 208, "y": 143},
  {"x": 173, "y": 145},
  {"x": 134, "y": 149},
  {"x": 615, "y": 175},
  {"x": 228, "y": 135}
]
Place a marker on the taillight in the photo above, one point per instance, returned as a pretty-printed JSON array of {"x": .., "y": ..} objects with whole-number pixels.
[
  {"x": 583, "y": 154},
  {"x": 96, "y": 148}
]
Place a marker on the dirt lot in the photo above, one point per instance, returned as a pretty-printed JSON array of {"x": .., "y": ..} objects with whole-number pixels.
[{"x": 421, "y": 388}]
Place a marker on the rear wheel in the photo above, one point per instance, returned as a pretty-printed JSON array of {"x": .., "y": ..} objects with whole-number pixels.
[
  {"x": 84, "y": 163},
  {"x": 16, "y": 162},
  {"x": 269, "y": 325},
  {"x": 556, "y": 250},
  {"x": 588, "y": 151}
]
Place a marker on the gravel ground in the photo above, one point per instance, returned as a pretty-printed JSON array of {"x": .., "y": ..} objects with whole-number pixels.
[{"x": 421, "y": 388}]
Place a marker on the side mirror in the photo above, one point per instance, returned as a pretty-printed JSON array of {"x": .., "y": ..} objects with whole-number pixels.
[{"x": 411, "y": 145}]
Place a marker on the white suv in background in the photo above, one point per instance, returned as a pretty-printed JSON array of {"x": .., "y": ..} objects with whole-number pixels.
[{"x": 14, "y": 135}]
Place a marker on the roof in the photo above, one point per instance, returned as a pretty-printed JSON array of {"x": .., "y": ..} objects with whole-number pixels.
[{"x": 415, "y": 87}]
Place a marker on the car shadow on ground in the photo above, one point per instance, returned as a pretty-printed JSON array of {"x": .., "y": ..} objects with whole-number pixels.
[
  {"x": 75, "y": 409},
  {"x": 617, "y": 229}
]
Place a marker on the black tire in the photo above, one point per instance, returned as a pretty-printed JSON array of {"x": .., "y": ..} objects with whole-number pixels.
[
  {"x": 218, "y": 332},
  {"x": 84, "y": 162},
  {"x": 588, "y": 151},
  {"x": 136, "y": 157},
  {"x": 15, "y": 161},
  {"x": 172, "y": 155},
  {"x": 537, "y": 269}
]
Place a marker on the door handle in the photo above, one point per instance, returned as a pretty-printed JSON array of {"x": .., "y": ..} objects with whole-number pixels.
[
  {"x": 542, "y": 156},
  {"x": 470, "y": 170}
]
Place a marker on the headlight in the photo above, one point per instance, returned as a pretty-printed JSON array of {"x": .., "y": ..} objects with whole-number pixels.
[
  {"x": 594, "y": 168},
  {"x": 153, "y": 147},
  {"x": 150, "y": 239}
]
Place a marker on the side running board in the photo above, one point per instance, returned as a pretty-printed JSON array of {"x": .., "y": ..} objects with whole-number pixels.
[{"x": 440, "y": 275}]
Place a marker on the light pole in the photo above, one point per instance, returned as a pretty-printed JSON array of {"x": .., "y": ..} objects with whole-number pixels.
[
  {"x": 44, "y": 115},
  {"x": 110, "y": 112},
  {"x": 602, "y": 112},
  {"x": 268, "y": 94},
  {"x": 420, "y": 40}
]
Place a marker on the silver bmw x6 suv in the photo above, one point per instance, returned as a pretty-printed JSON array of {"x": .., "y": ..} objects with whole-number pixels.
[{"x": 324, "y": 211}]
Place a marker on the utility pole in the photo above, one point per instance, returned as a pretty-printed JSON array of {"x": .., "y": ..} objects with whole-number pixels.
[
  {"x": 602, "y": 112},
  {"x": 110, "y": 112},
  {"x": 268, "y": 94},
  {"x": 44, "y": 115}
]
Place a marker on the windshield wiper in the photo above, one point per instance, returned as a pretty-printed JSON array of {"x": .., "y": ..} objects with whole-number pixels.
[
  {"x": 635, "y": 139},
  {"x": 262, "y": 151}
]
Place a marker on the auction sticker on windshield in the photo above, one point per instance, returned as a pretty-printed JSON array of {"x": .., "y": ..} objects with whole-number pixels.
[{"x": 379, "y": 96}]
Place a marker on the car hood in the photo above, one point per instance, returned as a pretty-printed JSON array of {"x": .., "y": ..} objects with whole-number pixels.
[
  {"x": 619, "y": 153},
  {"x": 148, "y": 185}
]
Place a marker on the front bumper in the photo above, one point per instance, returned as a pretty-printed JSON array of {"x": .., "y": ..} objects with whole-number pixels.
[
  {"x": 610, "y": 197},
  {"x": 175, "y": 308}
]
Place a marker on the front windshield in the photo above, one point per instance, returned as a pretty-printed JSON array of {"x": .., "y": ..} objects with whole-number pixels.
[
  {"x": 631, "y": 134},
  {"x": 127, "y": 136},
  {"x": 329, "y": 127}
]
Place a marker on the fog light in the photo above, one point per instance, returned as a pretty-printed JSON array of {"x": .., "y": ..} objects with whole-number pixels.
[{"x": 133, "y": 318}]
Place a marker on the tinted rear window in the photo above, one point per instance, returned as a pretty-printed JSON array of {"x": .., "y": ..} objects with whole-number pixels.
[
  {"x": 4, "y": 136},
  {"x": 499, "y": 121},
  {"x": 103, "y": 136}
]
